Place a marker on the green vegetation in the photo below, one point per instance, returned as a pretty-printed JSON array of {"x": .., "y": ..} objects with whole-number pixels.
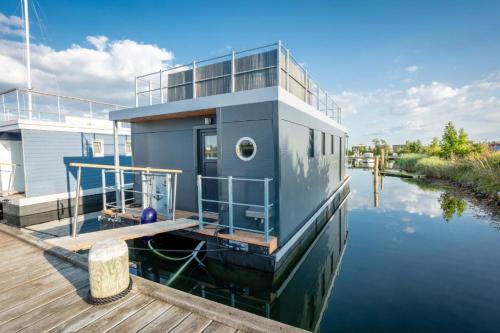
[
  {"x": 458, "y": 159},
  {"x": 451, "y": 205},
  {"x": 378, "y": 144}
]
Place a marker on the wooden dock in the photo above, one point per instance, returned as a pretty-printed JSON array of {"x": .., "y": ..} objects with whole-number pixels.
[
  {"x": 85, "y": 241},
  {"x": 44, "y": 287}
]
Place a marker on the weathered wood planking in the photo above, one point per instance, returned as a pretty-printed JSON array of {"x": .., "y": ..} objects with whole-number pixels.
[
  {"x": 85, "y": 241},
  {"x": 51, "y": 298}
]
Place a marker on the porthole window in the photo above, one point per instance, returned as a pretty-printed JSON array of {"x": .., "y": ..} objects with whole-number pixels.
[{"x": 246, "y": 148}]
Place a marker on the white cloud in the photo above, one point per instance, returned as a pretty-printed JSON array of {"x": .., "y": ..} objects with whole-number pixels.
[
  {"x": 421, "y": 111},
  {"x": 11, "y": 25},
  {"x": 411, "y": 69},
  {"x": 105, "y": 71},
  {"x": 409, "y": 230}
]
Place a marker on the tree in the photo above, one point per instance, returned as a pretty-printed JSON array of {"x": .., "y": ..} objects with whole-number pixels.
[
  {"x": 434, "y": 149},
  {"x": 378, "y": 145},
  {"x": 449, "y": 141},
  {"x": 412, "y": 147},
  {"x": 463, "y": 144}
]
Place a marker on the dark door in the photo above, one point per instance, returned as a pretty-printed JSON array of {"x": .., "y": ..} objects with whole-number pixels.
[{"x": 208, "y": 153}]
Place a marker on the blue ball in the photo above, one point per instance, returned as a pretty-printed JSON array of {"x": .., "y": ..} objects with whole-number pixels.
[{"x": 148, "y": 215}]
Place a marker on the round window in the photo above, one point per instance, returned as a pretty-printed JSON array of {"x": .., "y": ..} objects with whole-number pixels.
[{"x": 246, "y": 148}]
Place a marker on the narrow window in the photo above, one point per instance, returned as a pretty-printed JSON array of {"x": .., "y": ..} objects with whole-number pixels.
[
  {"x": 340, "y": 158},
  {"x": 323, "y": 144},
  {"x": 98, "y": 148},
  {"x": 332, "y": 144},
  {"x": 311, "y": 143},
  {"x": 128, "y": 148}
]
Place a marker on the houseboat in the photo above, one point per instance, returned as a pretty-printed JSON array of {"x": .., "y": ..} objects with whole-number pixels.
[
  {"x": 260, "y": 145},
  {"x": 40, "y": 134}
]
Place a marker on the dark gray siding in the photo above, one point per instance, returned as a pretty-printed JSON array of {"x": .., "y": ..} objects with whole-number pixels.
[
  {"x": 256, "y": 121},
  {"x": 305, "y": 183},
  {"x": 48, "y": 153},
  {"x": 170, "y": 144}
]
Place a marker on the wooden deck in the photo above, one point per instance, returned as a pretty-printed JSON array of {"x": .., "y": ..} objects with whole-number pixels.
[
  {"x": 43, "y": 289},
  {"x": 85, "y": 241}
]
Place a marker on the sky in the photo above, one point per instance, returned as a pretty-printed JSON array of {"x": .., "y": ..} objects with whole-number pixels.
[{"x": 399, "y": 69}]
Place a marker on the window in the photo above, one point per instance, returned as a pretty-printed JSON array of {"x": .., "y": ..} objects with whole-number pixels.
[
  {"x": 128, "y": 148},
  {"x": 323, "y": 144},
  {"x": 340, "y": 158},
  {"x": 211, "y": 147},
  {"x": 98, "y": 148},
  {"x": 246, "y": 148},
  {"x": 311, "y": 143},
  {"x": 332, "y": 145}
]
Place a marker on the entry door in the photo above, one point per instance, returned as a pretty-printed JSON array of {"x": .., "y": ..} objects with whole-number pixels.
[{"x": 208, "y": 153}]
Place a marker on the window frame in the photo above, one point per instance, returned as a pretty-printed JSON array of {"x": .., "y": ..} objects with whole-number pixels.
[
  {"x": 323, "y": 143},
  {"x": 97, "y": 154},
  {"x": 238, "y": 152}
]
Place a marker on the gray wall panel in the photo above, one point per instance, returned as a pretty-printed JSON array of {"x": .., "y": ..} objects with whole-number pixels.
[{"x": 305, "y": 183}]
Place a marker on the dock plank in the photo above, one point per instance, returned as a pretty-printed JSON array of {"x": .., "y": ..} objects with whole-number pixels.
[
  {"x": 119, "y": 314},
  {"x": 193, "y": 323},
  {"x": 17, "y": 310},
  {"x": 85, "y": 241},
  {"x": 216, "y": 327},
  {"x": 90, "y": 315},
  {"x": 170, "y": 319},
  {"x": 141, "y": 318}
]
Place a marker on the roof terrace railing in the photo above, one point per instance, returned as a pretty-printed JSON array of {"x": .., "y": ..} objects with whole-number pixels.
[
  {"x": 265, "y": 66},
  {"x": 50, "y": 107}
]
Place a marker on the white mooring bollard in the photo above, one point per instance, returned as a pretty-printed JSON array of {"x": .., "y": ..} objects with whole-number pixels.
[{"x": 108, "y": 271}]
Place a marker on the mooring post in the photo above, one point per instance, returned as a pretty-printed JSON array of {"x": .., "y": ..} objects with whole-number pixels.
[
  {"x": 375, "y": 181},
  {"x": 382, "y": 158},
  {"x": 108, "y": 271}
]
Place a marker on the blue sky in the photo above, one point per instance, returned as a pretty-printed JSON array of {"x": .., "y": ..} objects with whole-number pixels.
[{"x": 371, "y": 54}]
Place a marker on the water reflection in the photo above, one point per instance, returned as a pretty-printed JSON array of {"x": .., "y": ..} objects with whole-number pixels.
[
  {"x": 451, "y": 205},
  {"x": 297, "y": 297}
]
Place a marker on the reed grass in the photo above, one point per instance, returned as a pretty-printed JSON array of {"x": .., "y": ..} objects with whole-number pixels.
[{"x": 479, "y": 172}]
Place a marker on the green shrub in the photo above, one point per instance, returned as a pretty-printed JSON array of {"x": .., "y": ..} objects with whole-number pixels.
[{"x": 408, "y": 161}]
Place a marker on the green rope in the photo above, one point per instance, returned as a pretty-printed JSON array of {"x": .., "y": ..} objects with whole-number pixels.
[{"x": 164, "y": 256}]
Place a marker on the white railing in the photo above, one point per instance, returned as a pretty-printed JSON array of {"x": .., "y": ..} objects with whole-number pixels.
[
  {"x": 14, "y": 104},
  {"x": 160, "y": 195},
  {"x": 265, "y": 66},
  {"x": 266, "y": 206}
]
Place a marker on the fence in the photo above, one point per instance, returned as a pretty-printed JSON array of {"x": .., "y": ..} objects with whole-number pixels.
[
  {"x": 163, "y": 192},
  {"x": 266, "y": 206},
  {"x": 20, "y": 103},
  {"x": 266, "y": 66}
]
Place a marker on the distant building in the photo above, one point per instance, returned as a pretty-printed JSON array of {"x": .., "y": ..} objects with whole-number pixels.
[
  {"x": 359, "y": 149},
  {"x": 397, "y": 148},
  {"x": 494, "y": 146}
]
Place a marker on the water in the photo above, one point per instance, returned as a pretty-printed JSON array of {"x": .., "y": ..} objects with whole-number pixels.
[{"x": 424, "y": 260}]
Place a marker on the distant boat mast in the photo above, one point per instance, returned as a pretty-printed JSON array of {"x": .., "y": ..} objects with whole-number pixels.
[{"x": 28, "y": 60}]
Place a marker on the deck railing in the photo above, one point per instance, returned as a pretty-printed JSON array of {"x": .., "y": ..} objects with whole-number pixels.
[
  {"x": 147, "y": 191},
  {"x": 266, "y": 66},
  {"x": 20, "y": 103},
  {"x": 266, "y": 206}
]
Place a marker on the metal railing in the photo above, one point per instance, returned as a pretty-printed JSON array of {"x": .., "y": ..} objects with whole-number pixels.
[
  {"x": 50, "y": 107},
  {"x": 265, "y": 66},
  {"x": 231, "y": 203},
  {"x": 147, "y": 175}
]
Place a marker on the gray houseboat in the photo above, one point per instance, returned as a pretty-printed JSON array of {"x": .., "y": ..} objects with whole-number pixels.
[
  {"x": 260, "y": 145},
  {"x": 40, "y": 134}
]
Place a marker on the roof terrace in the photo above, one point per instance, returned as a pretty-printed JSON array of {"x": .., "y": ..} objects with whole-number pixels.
[
  {"x": 261, "y": 67},
  {"x": 15, "y": 105}
]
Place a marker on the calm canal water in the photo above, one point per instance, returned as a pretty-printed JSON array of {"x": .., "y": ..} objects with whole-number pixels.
[{"x": 424, "y": 260}]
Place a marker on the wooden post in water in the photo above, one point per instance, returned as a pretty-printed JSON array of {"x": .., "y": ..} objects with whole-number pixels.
[
  {"x": 108, "y": 270},
  {"x": 382, "y": 159},
  {"x": 375, "y": 182}
]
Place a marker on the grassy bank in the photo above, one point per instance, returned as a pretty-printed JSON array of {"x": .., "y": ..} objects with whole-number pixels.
[{"x": 479, "y": 173}]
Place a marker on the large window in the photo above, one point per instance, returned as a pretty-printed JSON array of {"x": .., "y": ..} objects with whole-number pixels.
[
  {"x": 340, "y": 158},
  {"x": 211, "y": 147},
  {"x": 311, "y": 143}
]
